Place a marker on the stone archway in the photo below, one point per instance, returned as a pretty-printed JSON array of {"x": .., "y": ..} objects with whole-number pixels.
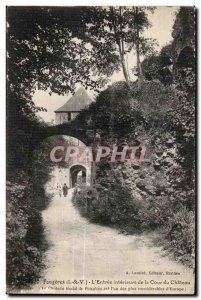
[
  {"x": 78, "y": 131},
  {"x": 78, "y": 175},
  {"x": 67, "y": 170}
]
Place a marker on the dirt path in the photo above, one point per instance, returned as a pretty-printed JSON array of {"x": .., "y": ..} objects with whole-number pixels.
[{"x": 80, "y": 250}]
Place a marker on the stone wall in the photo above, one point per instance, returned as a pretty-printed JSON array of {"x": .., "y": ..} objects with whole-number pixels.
[
  {"x": 150, "y": 178},
  {"x": 62, "y": 117}
]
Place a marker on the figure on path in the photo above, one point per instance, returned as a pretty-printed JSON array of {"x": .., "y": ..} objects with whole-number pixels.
[
  {"x": 59, "y": 189},
  {"x": 65, "y": 190}
]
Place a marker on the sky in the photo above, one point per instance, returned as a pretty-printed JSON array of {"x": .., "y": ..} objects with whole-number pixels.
[{"x": 162, "y": 21}]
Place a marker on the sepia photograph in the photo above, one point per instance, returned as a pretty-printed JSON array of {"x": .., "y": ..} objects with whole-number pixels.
[{"x": 100, "y": 150}]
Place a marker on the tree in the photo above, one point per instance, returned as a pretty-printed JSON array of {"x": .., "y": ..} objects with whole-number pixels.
[
  {"x": 56, "y": 48},
  {"x": 118, "y": 26},
  {"x": 107, "y": 35},
  {"x": 120, "y": 29},
  {"x": 47, "y": 48},
  {"x": 137, "y": 20},
  {"x": 43, "y": 52}
]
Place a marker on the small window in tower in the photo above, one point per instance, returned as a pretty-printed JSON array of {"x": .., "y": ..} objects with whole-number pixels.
[{"x": 69, "y": 116}]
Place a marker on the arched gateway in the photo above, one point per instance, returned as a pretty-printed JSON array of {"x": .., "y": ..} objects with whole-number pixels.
[
  {"x": 78, "y": 175},
  {"x": 70, "y": 171}
]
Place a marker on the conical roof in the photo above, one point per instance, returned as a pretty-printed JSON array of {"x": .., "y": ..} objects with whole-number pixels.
[{"x": 77, "y": 102}]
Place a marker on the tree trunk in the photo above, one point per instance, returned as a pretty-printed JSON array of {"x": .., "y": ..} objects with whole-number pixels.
[
  {"x": 123, "y": 63},
  {"x": 139, "y": 66},
  {"x": 120, "y": 43}
]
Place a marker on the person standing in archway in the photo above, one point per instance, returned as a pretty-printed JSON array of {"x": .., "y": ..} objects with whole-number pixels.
[{"x": 65, "y": 190}]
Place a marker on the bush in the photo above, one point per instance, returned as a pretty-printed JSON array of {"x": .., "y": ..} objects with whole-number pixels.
[
  {"x": 22, "y": 259},
  {"x": 108, "y": 206},
  {"x": 25, "y": 240},
  {"x": 180, "y": 233}
]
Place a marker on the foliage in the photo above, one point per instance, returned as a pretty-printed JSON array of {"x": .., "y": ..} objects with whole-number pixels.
[
  {"x": 114, "y": 32},
  {"x": 158, "y": 67},
  {"x": 166, "y": 113},
  {"x": 180, "y": 53},
  {"x": 183, "y": 30},
  {"x": 110, "y": 202},
  {"x": 54, "y": 54},
  {"x": 180, "y": 234},
  {"x": 23, "y": 255},
  {"x": 137, "y": 20},
  {"x": 112, "y": 113},
  {"x": 103, "y": 204},
  {"x": 26, "y": 198},
  {"x": 43, "y": 50}
]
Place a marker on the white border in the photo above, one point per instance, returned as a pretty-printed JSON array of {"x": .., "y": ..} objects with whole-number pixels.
[
  {"x": 3, "y": 4},
  {"x": 100, "y": 2}
]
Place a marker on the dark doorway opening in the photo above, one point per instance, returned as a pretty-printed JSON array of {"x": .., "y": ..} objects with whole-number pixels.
[
  {"x": 69, "y": 116},
  {"x": 77, "y": 175}
]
